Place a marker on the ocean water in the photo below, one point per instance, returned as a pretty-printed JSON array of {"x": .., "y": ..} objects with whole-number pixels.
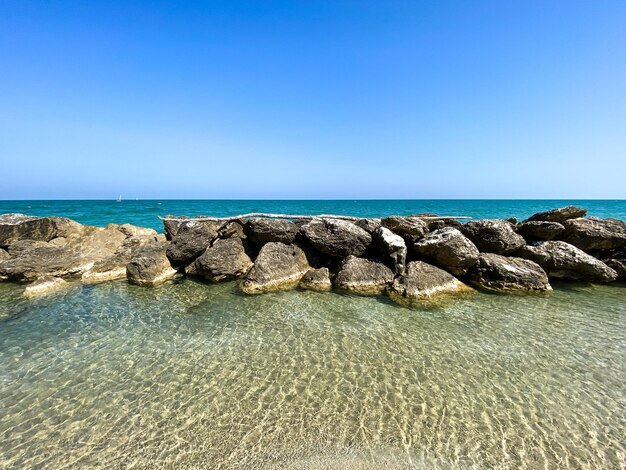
[{"x": 145, "y": 212}]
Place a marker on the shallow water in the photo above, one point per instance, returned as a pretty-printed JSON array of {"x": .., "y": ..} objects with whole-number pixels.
[{"x": 190, "y": 375}]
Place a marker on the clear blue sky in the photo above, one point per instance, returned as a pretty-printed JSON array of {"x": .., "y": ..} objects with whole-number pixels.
[{"x": 313, "y": 99}]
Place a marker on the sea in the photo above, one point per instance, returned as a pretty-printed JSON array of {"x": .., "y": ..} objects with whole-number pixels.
[{"x": 197, "y": 375}]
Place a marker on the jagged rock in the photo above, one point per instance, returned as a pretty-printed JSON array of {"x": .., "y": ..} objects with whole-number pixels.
[
  {"x": 558, "y": 215},
  {"x": 317, "y": 280},
  {"x": 43, "y": 286},
  {"x": 171, "y": 224},
  {"x": 565, "y": 261},
  {"x": 191, "y": 240},
  {"x": 150, "y": 265},
  {"x": 261, "y": 231},
  {"x": 497, "y": 273},
  {"x": 277, "y": 267},
  {"x": 448, "y": 248},
  {"x": 391, "y": 247},
  {"x": 595, "y": 234},
  {"x": 540, "y": 230},
  {"x": 225, "y": 260},
  {"x": 363, "y": 276},
  {"x": 493, "y": 236},
  {"x": 410, "y": 228},
  {"x": 232, "y": 229},
  {"x": 134, "y": 231},
  {"x": 19, "y": 227},
  {"x": 3, "y": 255},
  {"x": 336, "y": 237},
  {"x": 369, "y": 225},
  {"x": 618, "y": 265},
  {"x": 423, "y": 281}
]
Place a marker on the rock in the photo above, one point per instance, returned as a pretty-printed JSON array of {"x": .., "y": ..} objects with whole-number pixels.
[
  {"x": 540, "y": 230},
  {"x": 225, "y": 260},
  {"x": 171, "y": 224},
  {"x": 262, "y": 231},
  {"x": 43, "y": 286},
  {"x": 369, "y": 225},
  {"x": 410, "y": 228},
  {"x": 18, "y": 227},
  {"x": 363, "y": 276},
  {"x": 150, "y": 265},
  {"x": 565, "y": 261},
  {"x": 449, "y": 249},
  {"x": 317, "y": 280},
  {"x": 3, "y": 255},
  {"x": 559, "y": 215},
  {"x": 423, "y": 281},
  {"x": 496, "y": 273},
  {"x": 134, "y": 231},
  {"x": 493, "y": 236},
  {"x": 277, "y": 267},
  {"x": 618, "y": 265},
  {"x": 391, "y": 247},
  {"x": 595, "y": 234},
  {"x": 190, "y": 241},
  {"x": 232, "y": 229},
  {"x": 336, "y": 237}
]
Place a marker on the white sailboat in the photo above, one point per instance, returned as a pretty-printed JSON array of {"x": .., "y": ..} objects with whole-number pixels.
[{"x": 119, "y": 198}]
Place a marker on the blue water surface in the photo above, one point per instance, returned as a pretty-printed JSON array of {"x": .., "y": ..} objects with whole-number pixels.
[{"x": 145, "y": 212}]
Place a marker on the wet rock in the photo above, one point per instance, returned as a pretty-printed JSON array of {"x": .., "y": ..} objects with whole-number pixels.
[
  {"x": 496, "y": 273},
  {"x": 150, "y": 265},
  {"x": 261, "y": 231},
  {"x": 225, "y": 260},
  {"x": 559, "y": 215},
  {"x": 423, "y": 281},
  {"x": 44, "y": 286},
  {"x": 369, "y": 225},
  {"x": 336, "y": 237},
  {"x": 391, "y": 247},
  {"x": 565, "y": 261},
  {"x": 619, "y": 266},
  {"x": 191, "y": 240},
  {"x": 19, "y": 227},
  {"x": 317, "y": 280},
  {"x": 595, "y": 234},
  {"x": 540, "y": 230},
  {"x": 363, "y": 276},
  {"x": 449, "y": 249},
  {"x": 278, "y": 266},
  {"x": 493, "y": 236},
  {"x": 410, "y": 228}
]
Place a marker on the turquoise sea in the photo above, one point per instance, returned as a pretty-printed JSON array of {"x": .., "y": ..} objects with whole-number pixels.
[{"x": 197, "y": 375}]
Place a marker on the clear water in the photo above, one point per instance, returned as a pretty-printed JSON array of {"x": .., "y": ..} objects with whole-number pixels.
[
  {"x": 145, "y": 213},
  {"x": 191, "y": 375}
]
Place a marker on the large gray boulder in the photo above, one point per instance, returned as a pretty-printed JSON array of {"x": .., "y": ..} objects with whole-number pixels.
[
  {"x": 559, "y": 215},
  {"x": 225, "y": 260},
  {"x": 565, "y": 261},
  {"x": 363, "y": 276},
  {"x": 191, "y": 240},
  {"x": 150, "y": 265},
  {"x": 19, "y": 227},
  {"x": 497, "y": 273},
  {"x": 369, "y": 225},
  {"x": 232, "y": 229},
  {"x": 493, "y": 236},
  {"x": 540, "y": 230},
  {"x": 261, "y": 231},
  {"x": 278, "y": 266},
  {"x": 595, "y": 234},
  {"x": 409, "y": 227},
  {"x": 449, "y": 249},
  {"x": 391, "y": 247},
  {"x": 317, "y": 280},
  {"x": 423, "y": 281},
  {"x": 336, "y": 237}
]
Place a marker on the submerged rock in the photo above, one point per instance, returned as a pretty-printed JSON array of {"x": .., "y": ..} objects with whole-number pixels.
[
  {"x": 595, "y": 234},
  {"x": 317, "y": 280},
  {"x": 277, "y": 267},
  {"x": 540, "y": 230},
  {"x": 19, "y": 227},
  {"x": 150, "y": 265},
  {"x": 423, "y": 281},
  {"x": 408, "y": 227},
  {"x": 191, "y": 240},
  {"x": 225, "y": 260},
  {"x": 261, "y": 231},
  {"x": 559, "y": 215},
  {"x": 449, "y": 249},
  {"x": 43, "y": 286},
  {"x": 497, "y": 273},
  {"x": 493, "y": 236},
  {"x": 565, "y": 261},
  {"x": 363, "y": 276},
  {"x": 391, "y": 247},
  {"x": 336, "y": 237}
]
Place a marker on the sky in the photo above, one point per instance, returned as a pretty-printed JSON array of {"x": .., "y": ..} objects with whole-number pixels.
[{"x": 312, "y": 99}]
